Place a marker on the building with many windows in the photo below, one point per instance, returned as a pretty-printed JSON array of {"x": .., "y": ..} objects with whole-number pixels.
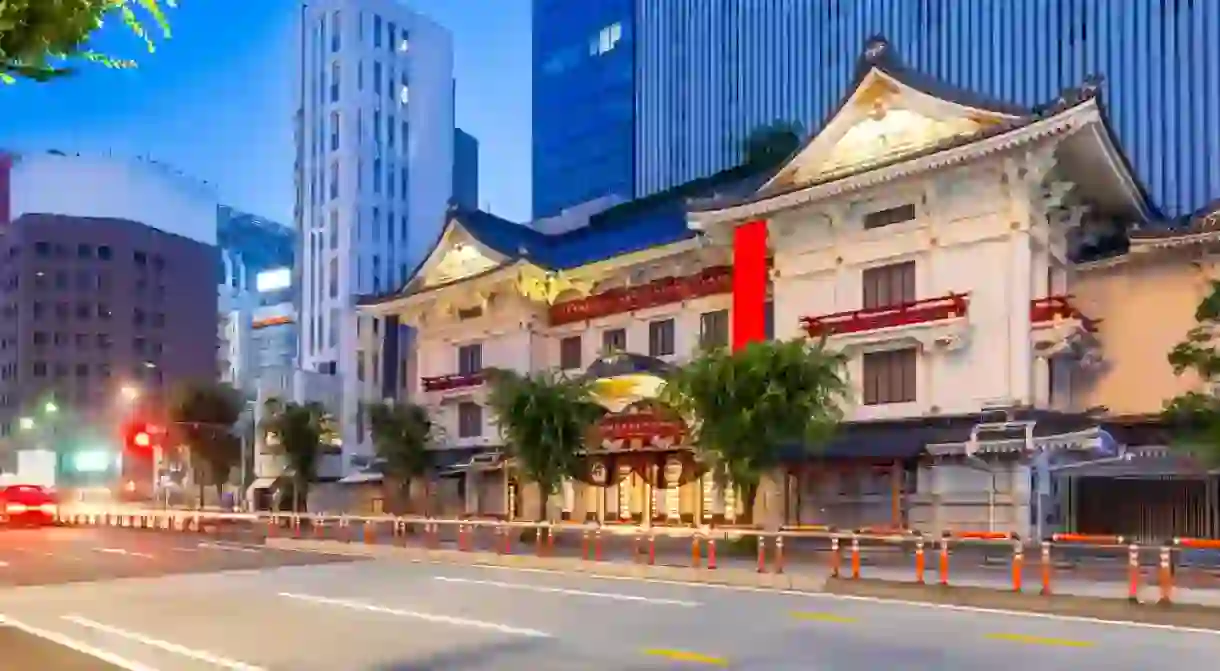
[
  {"x": 108, "y": 293},
  {"x": 257, "y": 295},
  {"x": 928, "y": 232},
  {"x": 583, "y": 101},
  {"x": 375, "y": 142},
  {"x": 705, "y": 73}
]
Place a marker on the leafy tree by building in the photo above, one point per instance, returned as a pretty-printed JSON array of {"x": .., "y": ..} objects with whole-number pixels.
[
  {"x": 41, "y": 40},
  {"x": 745, "y": 408},
  {"x": 297, "y": 432},
  {"x": 403, "y": 435},
  {"x": 202, "y": 416},
  {"x": 545, "y": 419},
  {"x": 1195, "y": 415}
]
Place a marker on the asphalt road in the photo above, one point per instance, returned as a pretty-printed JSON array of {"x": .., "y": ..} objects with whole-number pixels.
[{"x": 390, "y": 616}]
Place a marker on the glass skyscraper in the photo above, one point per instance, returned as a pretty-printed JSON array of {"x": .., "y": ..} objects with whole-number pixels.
[
  {"x": 584, "y": 102},
  {"x": 706, "y": 72}
]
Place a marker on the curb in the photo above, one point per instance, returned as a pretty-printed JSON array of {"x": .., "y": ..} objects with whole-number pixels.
[{"x": 734, "y": 577}]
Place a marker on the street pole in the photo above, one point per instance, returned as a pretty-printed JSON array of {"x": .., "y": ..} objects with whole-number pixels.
[{"x": 241, "y": 500}]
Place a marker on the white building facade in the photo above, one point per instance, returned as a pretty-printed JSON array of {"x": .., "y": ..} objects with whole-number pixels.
[
  {"x": 374, "y": 176},
  {"x": 922, "y": 231}
]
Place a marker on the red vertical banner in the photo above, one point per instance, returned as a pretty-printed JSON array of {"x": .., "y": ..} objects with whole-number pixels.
[{"x": 749, "y": 283}]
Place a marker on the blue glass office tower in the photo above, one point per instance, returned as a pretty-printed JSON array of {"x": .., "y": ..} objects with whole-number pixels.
[
  {"x": 465, "y": 170},
  {"x": 584, "y": 102},
  {"x": 708, "y": 71}
]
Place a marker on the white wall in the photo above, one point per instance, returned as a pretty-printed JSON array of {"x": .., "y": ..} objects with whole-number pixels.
[{"x": 153, "y": 194}]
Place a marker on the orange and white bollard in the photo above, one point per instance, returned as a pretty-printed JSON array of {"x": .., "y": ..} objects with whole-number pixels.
[
  {"x": 944, "y": 560},
  {"x": 779, "y": 554},
  {"x": 1045, "y": 560},
  {"x": 1133, "y": 573},
  {"x": 919, "y": 560},
  {"x": 694, "y": 551},
  {"x": 836, "y": 557},
  {"x": 855, "y": 556},
  {"x": 597, "y": 547},
  {"x": 762, "y": 554},
  {"x": 1166, "y": 575},
  {"x": 1018, "y": 564},
  {"x": 711, "y": 552}
]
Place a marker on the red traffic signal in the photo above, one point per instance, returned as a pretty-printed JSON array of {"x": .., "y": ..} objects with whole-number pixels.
[{"x": 139, "y": 437}]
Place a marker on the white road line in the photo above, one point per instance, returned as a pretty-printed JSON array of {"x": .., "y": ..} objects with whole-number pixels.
[
  {"x": 426, "y": 617},
  {"x": 121, "y": 551},
  {"x": 75, "y": 645},
  {"x": 199, "y": 655},
  {"x": 228, "y": 548},
  {"x": 848, "y": 597},
  {"x": 572, "y": 592},
  {"x": 3, "y": 564}
]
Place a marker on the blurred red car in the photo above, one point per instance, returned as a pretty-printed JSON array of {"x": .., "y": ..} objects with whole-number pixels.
[{"x": 27, "y": 505}]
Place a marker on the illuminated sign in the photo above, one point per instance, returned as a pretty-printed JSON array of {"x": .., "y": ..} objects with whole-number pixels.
[
  {"x": 271, "y": 321},
  {"x": 273, "y": 280}
]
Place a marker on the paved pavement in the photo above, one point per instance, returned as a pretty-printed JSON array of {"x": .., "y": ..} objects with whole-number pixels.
[{"x": 394, "y": 616}]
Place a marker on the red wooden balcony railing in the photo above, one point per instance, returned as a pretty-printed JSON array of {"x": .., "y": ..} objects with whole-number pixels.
[
  {"x": 1055, "y": 308},
  {"x": 709, "y": 282},
  {"x": 903, "y": 314},
  {"x": 455, "y": 381}
]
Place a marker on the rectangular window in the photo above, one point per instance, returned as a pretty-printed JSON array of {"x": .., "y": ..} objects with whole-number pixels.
[
  {"x": 888, "y": 286},
  {"x": 334, "y": 82},
  {"x": 334, "y": 229},
  {"x": 614, "y": 340},
  {"x": 376, "y": 175},
  {"x": 661, "y": 337},
  {"x": 889, "y": 377},
  {"x": 769, "y": 320},
  {"x": 889, "y": 216},
  {"x": 377, "y": 128},
  {"x": 391, "y": 31},
  {"x": 334, "y": 180},
  {"x": 359, "y": 75},
  {"x": 470, "y": 420},
  {"x": 335, "y": 31},
  {"x": 333, "y": 279},
  {"x": 714, "y": 329},
  {"x": 570, "y": 353},
  {"x": 375, "y": 85},
  {"x": 334, "y": 131},
  {"x": 376, "y": 30},
  {"x": 390, "y": 127},
  {"x": 470, "y": 359},
  {"x": 404, "y": 42}
]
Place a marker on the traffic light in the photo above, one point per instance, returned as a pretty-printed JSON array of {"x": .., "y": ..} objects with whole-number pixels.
[{"x": 139, "y": 438}]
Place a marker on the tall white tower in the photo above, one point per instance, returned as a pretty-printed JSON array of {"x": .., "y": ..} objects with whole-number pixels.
[{"x": 373, "y": 175}]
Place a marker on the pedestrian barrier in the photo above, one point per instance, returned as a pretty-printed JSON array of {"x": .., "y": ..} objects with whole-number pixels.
[{"x": 841, "y": 553}]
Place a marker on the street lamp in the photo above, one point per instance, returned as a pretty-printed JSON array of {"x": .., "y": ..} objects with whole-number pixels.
[
  {"x": 50, "y": 408},
  {"x": 129, "y": 393},
  {"x": 26, "y": 423}
]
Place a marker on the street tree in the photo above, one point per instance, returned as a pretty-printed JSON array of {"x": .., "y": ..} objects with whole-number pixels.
[
  {"x": 202, "y": 415},
  {"x": 545, "y": 420},
  {"x": 297, "y": 432},
  {"x": 403, "y": 435},
  {"x": 1195, "y": 415},
  {"x": 41, "y": 40},
  {"x": 745, "y": 408}
]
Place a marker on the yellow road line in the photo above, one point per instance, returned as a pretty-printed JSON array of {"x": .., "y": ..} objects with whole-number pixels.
[
  {"x": 687, "y": 657},
  {"x": 822, "y": 617},
  {"x": 1039, "y": 640}
]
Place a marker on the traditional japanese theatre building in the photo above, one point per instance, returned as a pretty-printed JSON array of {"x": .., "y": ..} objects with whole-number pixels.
[{"x": 922, "y": 230}]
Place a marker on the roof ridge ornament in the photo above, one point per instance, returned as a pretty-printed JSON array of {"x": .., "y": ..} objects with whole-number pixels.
[{"x": 876, "y": 50}]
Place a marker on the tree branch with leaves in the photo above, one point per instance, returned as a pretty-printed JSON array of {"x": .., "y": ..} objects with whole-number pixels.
[
  {"x": 297, "y": 432},
  {"x": 745, "y": 408},
  {"x": 403, "y": 437},
  {"x": 545, "y": 419},
  {"x": 203, "y": 415},
  {"x": 41, "y": 40},
  {"x": 1195, "y": 415}
]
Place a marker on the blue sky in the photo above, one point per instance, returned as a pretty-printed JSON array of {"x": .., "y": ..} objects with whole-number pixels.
[{"x": 216, "y": 99}]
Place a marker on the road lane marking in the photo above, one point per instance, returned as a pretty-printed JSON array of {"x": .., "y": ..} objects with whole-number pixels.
[
  {"x": 75, "y": 645},
  {"x": 1039, "y": 640},
  {"x": 426, "y": 617},
  {"x": 228, "y": 548},
  {"x": 686, "y": 657},
  {"x": 976, "y": 610},
  {"x": 126, "y": 553},
  {"x": 3, "y": 564},
  {"x": 822, "y": 617},
  {"x": 572, "y": 592},
  {"x": 198, "y": 655}
]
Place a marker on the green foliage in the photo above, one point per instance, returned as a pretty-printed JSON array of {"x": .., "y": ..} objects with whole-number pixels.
[
  {"x": 545, "y": 420},
  {"x": 40, "y": 39},
  {"x": 1195, "y": 415},
  {"x": 745, "y": 407},
  {"x": 403, "y": 434},
  {"x": 770, "y": 145},
  {"x": 202, "y": 414},
  {"x": 297, "y": 432}
]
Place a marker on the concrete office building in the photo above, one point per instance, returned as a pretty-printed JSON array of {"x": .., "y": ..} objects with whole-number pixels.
[
  {"x": 677, "y": 85},
  {"x": 374, "y": 178},
  {"x": 108, "y": 290}
]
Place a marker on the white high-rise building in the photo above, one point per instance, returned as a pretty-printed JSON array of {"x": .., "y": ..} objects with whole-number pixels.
[{"x": 374, "y": 178}]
